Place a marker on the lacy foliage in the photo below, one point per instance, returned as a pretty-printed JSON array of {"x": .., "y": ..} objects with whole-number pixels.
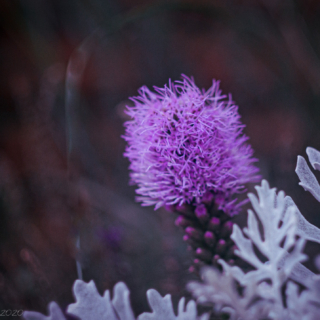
[
  {"x": 91, "y": 305},
  {"x": 309, "y": 183},
  {"x": 273, "y": 245}
]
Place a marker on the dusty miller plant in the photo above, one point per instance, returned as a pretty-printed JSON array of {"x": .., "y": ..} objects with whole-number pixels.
[
  {"x": 279, "y": 286},
  {"x": 90, "y": 305}
]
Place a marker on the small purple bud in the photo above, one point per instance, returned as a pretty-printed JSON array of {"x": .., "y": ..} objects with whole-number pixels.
[
  {"x": 231, "y": 262},
  {"x": 181, "y": 208},
  {"x": 198, "y": 263},
  {"x": 201, "y": 213},
  {"x": 181, "y": 221},
  {"x": 204, "y": 254},
  {"x": 215, "y": 259},
  {"x": 227, "y": 229},
  {"x": 233, "y": 249},
  {"x": 221, "y": 246},
  {"x": 192, "y": 269},
  {"x": 191, "y": 242},
  {"x": 214, "y": 224},
  {"x": 194, "y": 233},
  {"x": 229, "y": 252},
  {"x": 169, "y": 208},
  {"x": 207, "y": 198},
  {"x": 184, "y": 209},
  {"x": 210, "y": 238}
]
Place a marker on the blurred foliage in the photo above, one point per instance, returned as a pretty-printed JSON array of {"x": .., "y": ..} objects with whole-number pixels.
[{"x": 67, "y": 69}]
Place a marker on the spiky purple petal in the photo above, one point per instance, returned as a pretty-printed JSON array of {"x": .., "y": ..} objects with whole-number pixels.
[{"x": 184, "y": 142}]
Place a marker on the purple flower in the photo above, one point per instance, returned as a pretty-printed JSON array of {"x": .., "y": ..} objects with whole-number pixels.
[{"x": 184, "y": 142}]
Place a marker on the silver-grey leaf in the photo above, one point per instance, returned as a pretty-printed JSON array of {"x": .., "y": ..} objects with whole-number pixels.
[
  {"x": 55, "y": 313},
  {"x": 305, "y": 228},
  {"x": 121, "y": 301},
  {"x": 307, "y": 178},
  {"x": 89, "y": 303},
  {"x": 314, "y": 157},
  {"x": 161, "y": 307},
  {"x": 262, "y": 296}
]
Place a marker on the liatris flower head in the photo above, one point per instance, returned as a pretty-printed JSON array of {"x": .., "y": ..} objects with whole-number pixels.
[{"x": 184, "y": 142}]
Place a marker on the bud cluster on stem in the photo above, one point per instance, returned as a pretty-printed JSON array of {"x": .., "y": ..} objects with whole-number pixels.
[{"x": 207, "y": 232}]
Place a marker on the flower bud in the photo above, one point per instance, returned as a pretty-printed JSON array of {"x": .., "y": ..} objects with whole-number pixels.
[
  {"x": 233, "y": 249},
  {"x": 198, "y": 263},
  {"x": 170, "y": 208},
  {"x": 194, "y": 233},
  {"x": 207, "y": 198},
  {"x": 204, "y": 254},
  {"x": 221, "y": 246},
  {"x": 184, "y": 209},
  {"x": 192, "y": 269},
  {"x": 184, "y": 222},
  {"x": 214, "y": 224},
  {"x": 192, "y": 243},
  {"x": 215, "y": 259},
  {"x": 226, "y": 229},
  {"x": 231, "y": 262},
  {"x": 210, "y": 238},
  {"x": 201, "y": 213}
]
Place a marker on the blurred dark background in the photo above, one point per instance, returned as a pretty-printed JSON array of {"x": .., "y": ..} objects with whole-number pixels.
[{"x": 67, "y": 69}]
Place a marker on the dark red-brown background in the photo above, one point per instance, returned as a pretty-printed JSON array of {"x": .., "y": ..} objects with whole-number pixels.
[{"x": 62, "y": 173}]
